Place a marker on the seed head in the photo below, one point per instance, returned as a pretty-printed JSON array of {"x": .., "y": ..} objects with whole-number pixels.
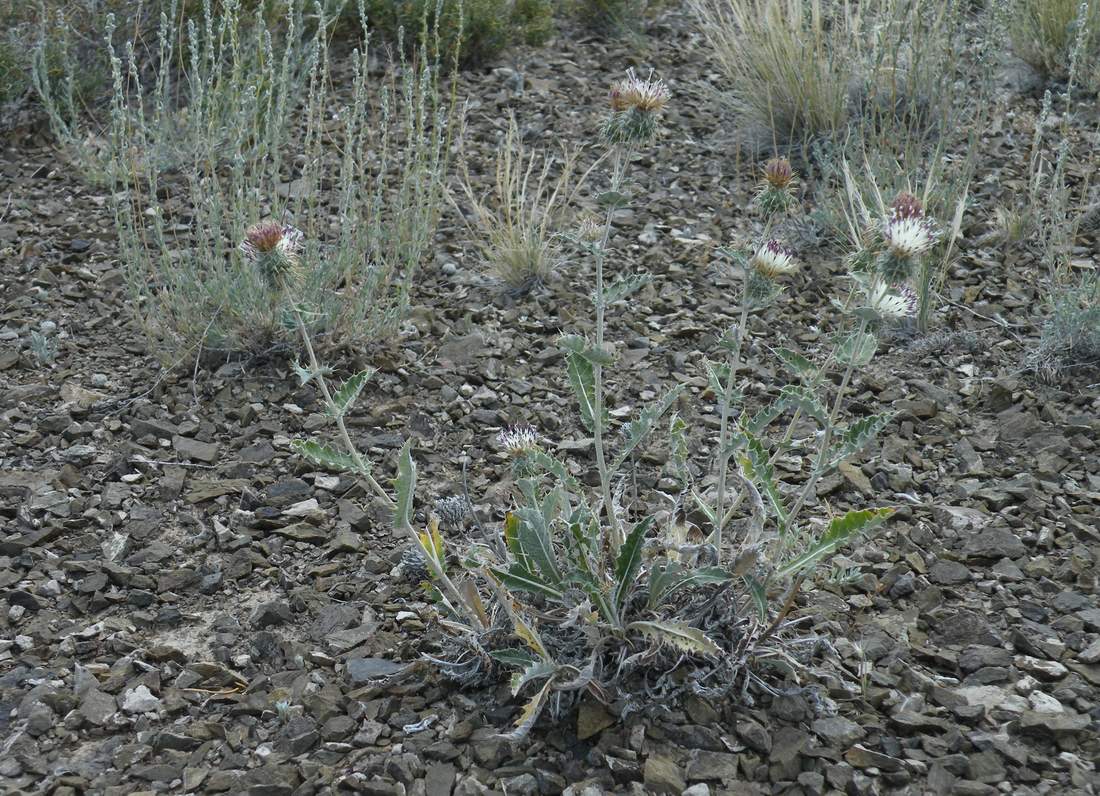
[
  {"x": 773, "y": 260},
  {"x": 519, "y": 439}
]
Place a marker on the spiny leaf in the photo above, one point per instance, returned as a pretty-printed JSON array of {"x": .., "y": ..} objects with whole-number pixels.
[
  {"x": 583, "y": 381},
  {"x": 575, "y": 344},
  {"x": 349, "y": 391},
  {"x": 718, "y": 375},
  {"x": 521, "y": 579},
  {"x": 677, "y": 634},
  {"x": 629, "y": 560},
  {"x": 624, "y": 287},
  {"x": 305, "y": 375},
  {"x": 757, "y": 466},
  {"x": 406, "y": 487},
  {"x": 759, "y": 594},
  {"x": 513, "y": 656},
  {"x": 511, "y": 534},
  {"x": 667, "y": 579},
  {"x": 551, "y": 465},
  {"x": 796, "y": 362},
  {"x": 327, "y": 457},
  {"x": 533, "y": 671},
  {"x": 530, "y": 636},
  {"x": 857, "y": 349},
  {"x": 530, "y": 713},
  {"x": 839, "y": 532},
  {"x": 763, "y": 418},
  {"x": 858, "y": 434},
  {"x": 534, "y": 541},
  {"x": 638, "y": 429},
  {"x": 799, "y": 397}
]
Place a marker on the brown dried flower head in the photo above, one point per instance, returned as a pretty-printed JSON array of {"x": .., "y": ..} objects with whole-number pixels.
[{"x": 274, "y": 248}]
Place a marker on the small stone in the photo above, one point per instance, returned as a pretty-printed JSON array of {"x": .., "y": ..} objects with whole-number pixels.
[
  {"x": 862, "y": 757},
  {"x": 271, "y": 614},
  {"x": 140, "y": 700},
  {"x": 1044, "y": 670},
  {"x": 1058, "y": 724},
  {"x": 193, "y": 449},
  {"x": 712, "y": 766},
  {"x": 97, "y": 707},
  {"x": 361, "y": 671},
  {"x": 1044, "y": 703},
  {"x": 1091, "y": 653},
  {"x": 663, "y": 776},
  {"x": 592, "y": 719},
  {"x": 949, "y": 573},
  {"x": 838, "y": 731}
]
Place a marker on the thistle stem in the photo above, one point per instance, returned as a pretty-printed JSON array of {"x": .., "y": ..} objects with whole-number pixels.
[
  {"x": 826, "y": 438},
  {"x": 617, "y": 536},
  {"x": 723, "y": 430},
  {"x": 315, "y": 368}
]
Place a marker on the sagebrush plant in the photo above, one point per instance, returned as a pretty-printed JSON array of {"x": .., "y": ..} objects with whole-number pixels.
[
  {"x": 1070, "y": 335},
  {"x": 1057, "y": 37},
  {"x": 581, "y": 593},
  {"x": 255, "y": 125},
  {"x": 476, "y": 31},
  {"x": 519, "y": 220}
]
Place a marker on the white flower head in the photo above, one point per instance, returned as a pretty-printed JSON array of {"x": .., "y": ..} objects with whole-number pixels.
[
  {"x": 907, "y": 231},
  {"x": 773, "y": 259},
  {"x": 887, "y": 302},
  {"x": 519, "y": 439}
]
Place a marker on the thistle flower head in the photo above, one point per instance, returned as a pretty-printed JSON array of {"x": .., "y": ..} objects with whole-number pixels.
[
  {"x": 778, "y": 174},
  {"x": 452, "y": 510},
  {"x": 773, "y": 260},
  {"x": 650, "y": 95},
  {"x": 635, "y": 104},
  {"x": 889, "y": 303},
  {"x": 275, "y": 248},
  {"x": 519, "y": 439},
  {"x": 589, "y": 229},
  {"x": 907, "y": 231}
]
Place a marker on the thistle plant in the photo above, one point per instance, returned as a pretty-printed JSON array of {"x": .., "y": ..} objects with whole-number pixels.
[
  {"x": 583, "y": 592},
  {"x": 900, "y": 243}
]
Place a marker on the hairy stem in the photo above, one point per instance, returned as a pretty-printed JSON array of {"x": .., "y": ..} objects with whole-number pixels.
[
  {"x": 617, "y": 536},
  {"x": 315, "y": 369},
  {"x": 723, "y": 430}
]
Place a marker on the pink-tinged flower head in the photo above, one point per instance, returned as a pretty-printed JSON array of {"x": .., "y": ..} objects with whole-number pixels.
[
  {"x": 778, "y": 173},
  {"x": 773, "y": 260},
  {"x": 907, "y": 206},
  {"x": 274, "y": 248},
  {"x": 907, "y": 231}
]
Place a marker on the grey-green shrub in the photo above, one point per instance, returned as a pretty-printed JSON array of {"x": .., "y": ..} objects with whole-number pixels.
[
  {"x": 1070, "y": 335},
  {"x": 246, "y": 135}
]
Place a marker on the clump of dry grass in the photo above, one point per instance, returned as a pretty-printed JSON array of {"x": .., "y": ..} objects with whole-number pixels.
[
  {"x": 1057, "y": 37},
  {"x": 803, "y": 70},
  {"x": 516, "y": 223}
]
